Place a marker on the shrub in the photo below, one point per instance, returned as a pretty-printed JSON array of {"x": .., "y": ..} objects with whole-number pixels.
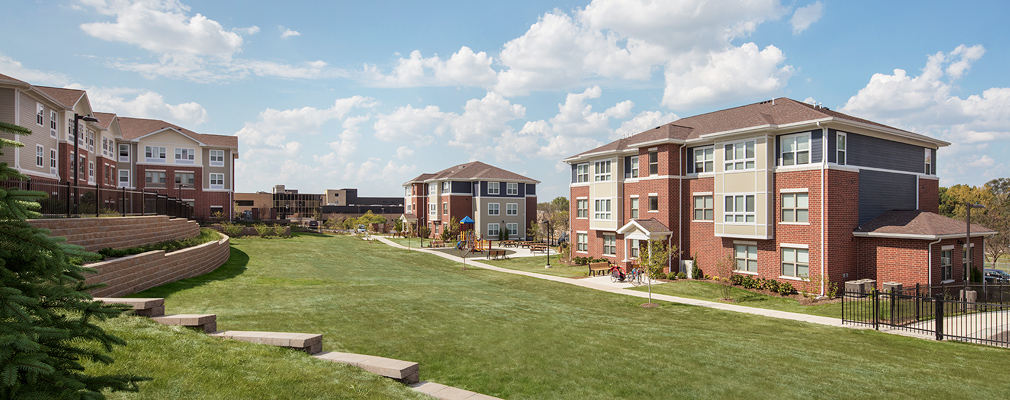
[
  {"x": 697, "y": 273},
  {"x": 785, "y": 288},
  {"x": 673, "y": 275},
  {"x": 772, "y": 285},
  {"x": 681, "y": 275},
  {"x": 281, "y": 231},
  {"x": 232, "y": 230},
  {"x": 264, "y": 230}
]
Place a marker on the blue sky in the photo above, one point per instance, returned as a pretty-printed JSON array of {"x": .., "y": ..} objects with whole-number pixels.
[{"x": 370, "y": 94}]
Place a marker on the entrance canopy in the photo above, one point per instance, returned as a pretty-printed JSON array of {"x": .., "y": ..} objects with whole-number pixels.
[
  {"x": 645, "y": 229},
  {"x": 410, "y": 218}
]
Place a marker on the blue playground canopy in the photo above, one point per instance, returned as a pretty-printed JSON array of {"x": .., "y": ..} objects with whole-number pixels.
[{"x": 466, "y": 220}]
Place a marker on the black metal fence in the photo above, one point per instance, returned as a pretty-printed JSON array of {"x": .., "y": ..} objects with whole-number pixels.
[
  {"x": 96, "y": 201},
  {"x": 978, "y": 313}
]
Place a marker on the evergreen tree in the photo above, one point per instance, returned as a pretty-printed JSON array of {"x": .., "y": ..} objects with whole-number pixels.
[{"x": 47, "y": 317}]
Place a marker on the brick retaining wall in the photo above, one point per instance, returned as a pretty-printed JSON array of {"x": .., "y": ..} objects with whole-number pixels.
[
  {"x": 119, "y": 232},
  {"x": 132, "y": 274}
]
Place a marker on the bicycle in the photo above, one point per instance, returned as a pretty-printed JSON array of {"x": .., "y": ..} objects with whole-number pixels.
[
  {"x": 616, "y": 274},
  {"x": 635, "y": 276}
]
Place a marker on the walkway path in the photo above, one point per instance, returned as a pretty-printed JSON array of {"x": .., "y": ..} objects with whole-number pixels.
[{"x": 604, "y": 284}]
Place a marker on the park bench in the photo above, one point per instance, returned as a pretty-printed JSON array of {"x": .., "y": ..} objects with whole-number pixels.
[
  {"x": 598, "y": 268},
  {"x": 496, "y": 254},
  {"x": 437, "y": 243},
  {"x": 150, "y": 307},
  {"x": 404, "y": 371},
  {"x": 308, "y": 342}
]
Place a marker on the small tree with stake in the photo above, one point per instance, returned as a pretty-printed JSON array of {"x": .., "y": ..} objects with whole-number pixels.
[
  {"x": 654, "y": 256},
  {"x": 48, "y": 317}
]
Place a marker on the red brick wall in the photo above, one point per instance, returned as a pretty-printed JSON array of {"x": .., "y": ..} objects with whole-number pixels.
[
  {"x": 531, "y": 215},
  {"x": 893, "y": 260},
  {"x": 842, "y": 217},
  {"x": 576, "y": 224},
  {"x": 699, "y": 237},
  {"x": 929, "y": 195}
]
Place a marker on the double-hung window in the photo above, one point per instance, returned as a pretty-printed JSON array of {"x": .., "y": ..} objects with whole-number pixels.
[
  {"x": 582, "y": 173},
  {"x": 154, "y": 154},
  {"x": 39, "y": 155},
  {"x": 432, "y": 210},
  {"x": 156, "y": 178},
  {"x": 184, "y": 178},
  {"x": 582, "y": 208},
  {"x": 795, "y": 149},
  {"x": 492, "y": 229},
  {"x": 633, "y": 171},
  {"x": 704, "y": 160},
  {"x": 609, "y": 244},
  {"x": 217, "y": 158},
  {"x": 52, "y": 123},
  {"x": 513, "y": 229},
  {"x": 602, "y": 209},
  {"x": 746, "y": 257},
  {"x": 634, "y": 248},
  {"x": 91, "y": 171},
  {"x": 493, "y": 188},
  {"x": 929, "y": 161},
  {"x": 445, "y": 187},
  {"x": 512, "y": 209},
  {"x": 795, "y": 262},
  {"x": 946, "y": 269},
  {"x": 432, "y": 189},
  {"x": 493, "y": 209},
  {"x": 840, "y": 147},
  {"x": 704, "y": 208},
  {"x": 739, "y": 156},
  {"x": 124, "y": 153},
  {"x": 740, "y": 209},
  {"x": 512, "y": 189},
  {"x": 602, "y": 171},
  {"x": 634, "y": 208},
  {"x": 184, "y": 156},
  {"x": 445, "y": 208},
  {"x": 80, "y": 166},
  {"x": 39, "y": 112},
  {"x": 216, "y": 180},
  {"x": 124, "y": 178},
  {"x": 52, "y": 161},
  {"x": 582, "y": 242},
  {"x": 653, "y": 203},
  {"x": 795, "y": 207},
  {"x": 653, "y": 163}
]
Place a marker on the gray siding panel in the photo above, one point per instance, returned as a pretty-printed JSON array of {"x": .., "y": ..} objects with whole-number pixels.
[
  {"x": 460, "y": 187},
  {"x": 832, "y": 145},
  {"x": 531, "y": 189},
  {"x": 7, "y": 105},
  {"x": 866, "y": 151},
  {"x": 883, "y": 191}
]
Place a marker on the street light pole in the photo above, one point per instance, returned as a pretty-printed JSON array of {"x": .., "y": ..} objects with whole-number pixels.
[
  {"x": 548, "y": 222},
  {"x": 77, "y": 155}
]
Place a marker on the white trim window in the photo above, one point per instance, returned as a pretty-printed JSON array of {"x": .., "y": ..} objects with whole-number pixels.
[
  {"x": 929, "y": 161},
  {"x": 582, "y": 208},
  {"x": 602, "y": 209},
  {"x": 653, "y": 163},
  {"x": 704, "y": 208},
  {"x": 445, "y": 208},
  {"x": 124, "y": 152},
  {"x": 609, "y": 244},
  {"x": 841, "y": 147},
  {"x": 704, "y": 160},
  {"x": 91, "y": 172},
  {"x": 634, "y": 167},
  {"x": 155, "y": 154},
  {"x": 81, "y": 167},
  {"x": 493, "y": 209},
  {"x": 795, "y": 207},
  {"x": 432, "y": 210},
  {"x": 52, "y": 161},
  {"x": 746, "y": 256},
  {"x": 582, "y": 173},
  {"x": 654, "y": 203},
  {"x": 795, "y": 262},
  {"x": 634, "y": 208},
  {"x": 216, "y": 180},
  {"x": 795, "y": 149},
  {"x": 492, "y": 229},
  {"x": 581, "y": 242},
  {"x": 445, "y": 186},
  {"x": 512, "y": 188},
  {"x": 184, "y": 155},
  {"x": 91, "y": 140},
  {"x": 740, "y": 209},
  {"x": 52, "y": 123},
  {"x": 432, "y": 189},
  {"x": 633, "y": 248},
  {"x": 124, "y": 178},
  {"x": 40, "y": 111},
  {"x": 493, "y": 188},
  {"x": 602, "y": 170},
  {"x": 946, "y": 267},
  {"x": 513, "y": 229},
  {"x": 185, "y": 178},
  {"x": 39, "y": 155},
  {"x": 511, "y": 208},
  {"x": 739, "y": 156},
  {"x": 217, "y": 158}
]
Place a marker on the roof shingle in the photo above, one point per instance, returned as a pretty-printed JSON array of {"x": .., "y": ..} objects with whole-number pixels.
[
  {"x": 133, "y": 128},
  {"x": 917, "y": 223},
  {"x": 473, "y": 170}
]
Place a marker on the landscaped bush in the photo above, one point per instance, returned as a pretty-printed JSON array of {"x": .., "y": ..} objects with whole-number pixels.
[
  {"x": 281, "y": 231},
  {"x": 681, "y": 275},
  {"x": 206, "y": 235},
  {"x": 673, "y": 275},
  {"x": 264, "y": 230},
  {"x": 587, "y": 260},
  {"x": 232, "y": 230},
  {"x": 785, "y": 288},
  {"x": 697, "y": 273}
]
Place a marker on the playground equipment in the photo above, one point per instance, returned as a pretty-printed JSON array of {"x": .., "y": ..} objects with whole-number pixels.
[{"x": 471, "y": 242}]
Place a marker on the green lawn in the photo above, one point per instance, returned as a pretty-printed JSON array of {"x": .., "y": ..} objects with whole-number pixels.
[
  {"x": 517, "y": 337},
  {"x": 713, "y": 292},
  {"x": 537, "y": 263}
]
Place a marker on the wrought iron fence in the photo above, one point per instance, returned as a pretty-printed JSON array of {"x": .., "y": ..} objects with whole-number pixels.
[
  {"x": 66, "y": 200},
  {"x": 978, "y": 313}
]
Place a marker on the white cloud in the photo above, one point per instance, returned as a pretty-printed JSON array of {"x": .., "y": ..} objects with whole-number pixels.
[
  {"x": 407, "y": 124},
  {"x": 736, "y": 73},
  {"x": 464, "y": 68},
  {"x": 286, "y": 33},
  {"x": 273, "y": 126},
  {"x": 142, "y": 103},
  {"x": 162, "y": 27},
  {"x": 404, "y": 152},
  {"x": 806, "y": 16},
  {"x": 252, "y": 30},
  {"x": 643, "y": 122},
  {"x": 482, "y": 120},
  {"x": 16, "y": 70}
]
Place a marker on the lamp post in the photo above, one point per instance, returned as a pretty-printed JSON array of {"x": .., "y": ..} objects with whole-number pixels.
[
  {"x": 967, "y": 240},
  {"x": 77, "y": 154},
  {"x": 548, "y": 222}
]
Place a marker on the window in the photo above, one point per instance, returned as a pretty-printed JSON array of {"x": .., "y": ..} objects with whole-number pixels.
[
  {"x": 52, "y": 123},
  {"x": 39, "y": 153},
  {"x": 746, "y": 257},
  {"x": 581, "y": 242},
  {"x": 704, "y": 160},
  {"x": 633, "y": 173},
  {"x": 512, "y": 189},
  {"x": 124, "y": 153},
  {"x": 217, "y": 158},
  {"x": 432, "y": 189},
  {"x": 39, "y": 110},
  {"x": 582, "y": 208},
  {"x": 929, "y": 161},
  {"x": 653, "y": 203},
  {"x": 91, "y": 140},
  {"x": 634, "y": 208},
  {"x": 740, "y": 156},
  {"x": 840, "y": 148},
  {"x": 216, "y": 181},
  {"x": 184, "y": 178},
  {"x": 124, "y": 178},
  {"x": 704, "y": 208},
  {"x": 602, "y": 171},
  {"x": 493, "y": 188},
  {"x": 653, "y": 163},
  {"x": 635, "y": 244},
  {"x": 602, "y": 209},
  {"x": 513, "y": 228},
  {"x": 184, "y": 156},
  {"x": 80, "y": 167},
  {"x": 740, "y": 209},
  {"x": 581, "y": 173},
  {"x": 91, "y": 171},
  {"x": 946, "y": 271},
  {"x": 512, "y": 209},
  {"x": 154, "y": 154},
  {"x": 52, "y": 161},
  {"x": 493, "y": 209},
  {"x": 796, "y": 149},
  {"x": 795, "y": 207},
  {"x": 609, "y": 244},
  {"x": 108, "y": 175},
  {"x": 445, "y": 187},
  {"x": 154, "y": 177},
  {"x": 445, "y": 208},
  {"x": 795, "y": 262},
  {"x": 431, "y": 209},
  {"x": 492, "y": 229}
]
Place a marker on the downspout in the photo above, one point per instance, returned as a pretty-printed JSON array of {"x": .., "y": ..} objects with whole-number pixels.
[
  {"x": 929, "y": 262},
  {"x": 824, "y": 164}
]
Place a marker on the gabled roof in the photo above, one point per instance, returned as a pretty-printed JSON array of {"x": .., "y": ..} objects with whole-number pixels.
[
  {"x": 104, "y": 119},
  {"x": 777, "y": 112},
  {"x": 11, "y": 80},
  {"x": 915, "y": 224},
  {"x": 134, "y": 128},
  {"x": 67, "y": 97},
  {"x": 649, "y": 226},
  {"x": 474, "y": 170}
]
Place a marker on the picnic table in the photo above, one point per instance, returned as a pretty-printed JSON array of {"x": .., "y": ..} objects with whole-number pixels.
[{"x": 538, "y": 247}]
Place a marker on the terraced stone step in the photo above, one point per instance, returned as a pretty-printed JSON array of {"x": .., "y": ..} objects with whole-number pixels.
[
  {"x": 404, "y": 371},
  {"x": 308, "y": 342},
  {"x": 147, "y": 307},
  {"x": 206, "y": 322},
  {"x": 440, "y": 391}
]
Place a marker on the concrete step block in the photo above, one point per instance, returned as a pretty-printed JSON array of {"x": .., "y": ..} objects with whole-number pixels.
[
  {"x": 404, "y": 371},
  {"x": 206, "y": 322},
  {"x": 147, "y": 307}
]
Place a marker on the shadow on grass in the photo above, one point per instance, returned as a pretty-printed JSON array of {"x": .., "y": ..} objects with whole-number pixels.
[{"x": 235, "y": 266}]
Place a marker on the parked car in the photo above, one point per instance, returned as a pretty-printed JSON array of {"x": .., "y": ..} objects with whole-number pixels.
[
  {"x": 996, "y": 276},
  {"x": 313, "y": 224},
  {"x": 361, "y": 229}
]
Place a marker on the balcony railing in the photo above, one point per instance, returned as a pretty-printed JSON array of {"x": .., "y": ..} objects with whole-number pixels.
[{"x": 67, "y": 200}]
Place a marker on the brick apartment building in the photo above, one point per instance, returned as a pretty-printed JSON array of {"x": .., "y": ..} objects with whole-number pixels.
[
  {"x": 789, "y": 190},
  {"x": 114, "y": 151},
  {"x": 494, "y": 198}
]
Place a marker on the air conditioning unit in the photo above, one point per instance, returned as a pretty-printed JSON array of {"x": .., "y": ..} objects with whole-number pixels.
[{"x": 52, "y": 170}]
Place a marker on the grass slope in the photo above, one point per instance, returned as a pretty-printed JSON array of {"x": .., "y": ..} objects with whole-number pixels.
[
  {"x": 713, "y": 292},
  {"x": 516, "y": 337}
]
